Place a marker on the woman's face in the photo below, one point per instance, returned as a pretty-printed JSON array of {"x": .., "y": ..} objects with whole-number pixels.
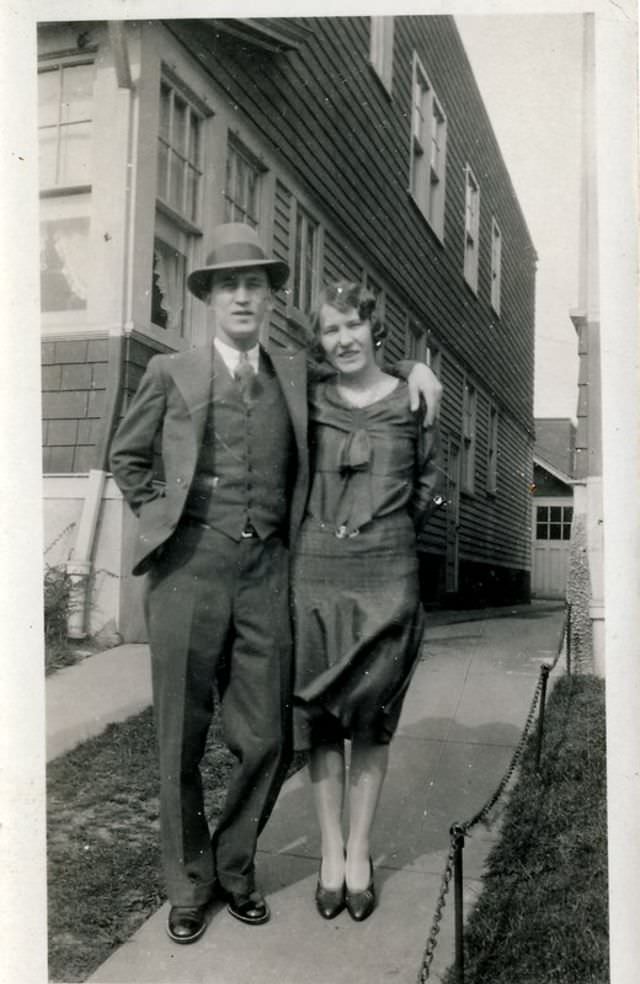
[{"x": 347, "y": 341}]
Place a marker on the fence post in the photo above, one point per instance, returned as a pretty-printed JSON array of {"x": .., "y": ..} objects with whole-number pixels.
[
  {"x": 457, "y": 833},
  {"x": 544, "y": 676},
  {"x": 568, "y": 640}
]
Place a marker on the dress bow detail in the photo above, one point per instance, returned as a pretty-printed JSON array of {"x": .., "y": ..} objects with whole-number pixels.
[{"x": 355, "y": 454}]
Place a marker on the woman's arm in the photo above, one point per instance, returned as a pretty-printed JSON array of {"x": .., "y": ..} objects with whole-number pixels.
[{"x": 429, "y": 482}]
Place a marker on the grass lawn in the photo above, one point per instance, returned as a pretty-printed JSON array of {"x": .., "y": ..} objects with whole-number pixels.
[
  {"x": 103, "y": 844},
  {"x": 542, "y": 915}
]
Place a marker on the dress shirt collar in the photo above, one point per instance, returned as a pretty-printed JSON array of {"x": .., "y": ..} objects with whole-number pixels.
[{"x": 231, "y": 356}]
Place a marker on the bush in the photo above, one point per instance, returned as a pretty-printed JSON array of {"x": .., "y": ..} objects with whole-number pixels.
[{"x": 57, "y": 600}]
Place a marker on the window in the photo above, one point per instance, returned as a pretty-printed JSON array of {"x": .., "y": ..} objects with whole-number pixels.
[
  {"x": 468, "y": 437},
  {"x": 179, "y": 154},
  {"x": 242, "y": 185},
  {"x": 180, "y": 167},
  {"x": 378, "y": 290},
  {"x": 381, "y": 49},
  {"x": 306, "y": 259},
  {"x": 492, "y": 451},
  {"x": 415, "y": 340},
  {"x": 65, "y": 121},
  {"x": 428, "y": 150},
  {"x": 168, "y": 293},
  {"x": 496, "y": 266},
  {"x": 65, "y": 104},
  {"x": 471, "y": 229},
  {"x": 553, "y": 522},
  {"x": 64, "y": 262}
]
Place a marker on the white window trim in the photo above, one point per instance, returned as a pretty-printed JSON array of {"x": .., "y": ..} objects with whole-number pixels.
[
  {"x": 496, "y": 266},
  {"x": 433, "y": 205},
  {"x": 471, "y": 230},
  {"x": 381, "y": 49}
]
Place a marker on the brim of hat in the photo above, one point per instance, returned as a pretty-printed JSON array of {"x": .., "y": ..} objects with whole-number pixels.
[{"x": 199, "y": 281}]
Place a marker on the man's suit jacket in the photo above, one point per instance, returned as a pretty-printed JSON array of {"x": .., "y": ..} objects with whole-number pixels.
[{"x": 173, "y": 400}]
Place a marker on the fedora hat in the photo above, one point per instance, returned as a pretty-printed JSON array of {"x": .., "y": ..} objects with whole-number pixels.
[{"x": 236, "y": 246}]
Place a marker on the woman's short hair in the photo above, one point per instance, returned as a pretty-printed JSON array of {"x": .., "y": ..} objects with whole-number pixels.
[{"x": 344, "y": 295}]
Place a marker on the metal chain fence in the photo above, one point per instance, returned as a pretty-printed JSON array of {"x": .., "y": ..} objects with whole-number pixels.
[{"x": 459, "y": 831}]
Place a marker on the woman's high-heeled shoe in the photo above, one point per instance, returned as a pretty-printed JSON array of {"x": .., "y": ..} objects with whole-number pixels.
[
  {"x": 360, "y": 905},
  {"x": 329, "y": 901}
]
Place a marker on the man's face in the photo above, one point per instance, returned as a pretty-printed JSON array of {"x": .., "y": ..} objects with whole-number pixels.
[
  {"x": 240, "y": 301},
  {"x": 347, "y": 341}
]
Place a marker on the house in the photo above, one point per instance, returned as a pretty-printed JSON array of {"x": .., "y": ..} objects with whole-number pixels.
[
  {"x": 356, "y": 146},
  {"x": 552, "y": 506}
]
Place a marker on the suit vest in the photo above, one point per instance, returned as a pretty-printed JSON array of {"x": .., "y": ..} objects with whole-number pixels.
[{"x": 246, "y": 465}]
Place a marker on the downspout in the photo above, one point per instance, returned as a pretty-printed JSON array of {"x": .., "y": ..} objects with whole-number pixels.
[{"x": 79, "y": 566}]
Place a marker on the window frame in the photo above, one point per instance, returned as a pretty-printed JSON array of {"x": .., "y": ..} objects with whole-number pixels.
[
  {"x": 471, "y": 228},
  {"x": 258, "y": 166},
  {"x": 293, "y": 312},
  {"x": 564, "y": 523},
  {"x": 496, "y": 266},
  {"x": 194, "y": 106},
  {"x": 468, "y": 436},
  {"x": 59, "y": 64},
  {"x": 177, "y": 228},
  {"x": 427, "y": 180},
  {"x": 493, "y": 437},
  {"x": 381, "y": 47}
]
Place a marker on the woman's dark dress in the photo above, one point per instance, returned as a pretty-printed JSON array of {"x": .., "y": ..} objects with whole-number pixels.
[{"x": 358, "y": 618}]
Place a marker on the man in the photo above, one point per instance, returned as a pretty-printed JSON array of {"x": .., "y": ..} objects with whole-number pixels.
[{"x": 232, "y": 419}]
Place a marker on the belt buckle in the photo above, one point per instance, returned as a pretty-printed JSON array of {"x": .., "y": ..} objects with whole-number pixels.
[{"x": 248, "y": 533}]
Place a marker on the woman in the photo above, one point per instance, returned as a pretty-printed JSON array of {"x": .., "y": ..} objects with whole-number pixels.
[{"x": 357, "y": 614}]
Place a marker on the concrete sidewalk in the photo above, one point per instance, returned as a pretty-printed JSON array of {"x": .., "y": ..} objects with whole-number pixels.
[{"x": 463, "y": 716}]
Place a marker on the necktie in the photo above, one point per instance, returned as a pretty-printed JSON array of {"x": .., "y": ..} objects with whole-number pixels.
[{"x": 244, "y": 374}]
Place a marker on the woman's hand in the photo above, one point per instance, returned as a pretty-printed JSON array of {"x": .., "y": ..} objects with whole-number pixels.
[{"x": 425, "y": 385}]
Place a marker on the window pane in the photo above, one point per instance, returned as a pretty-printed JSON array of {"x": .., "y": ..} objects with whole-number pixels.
[
  {"x": 47, "y": 157},
  {"x": 77, "y": 93},
  {"x": 176, "y": 181},
  {"x": 555, "y": 513},
  {"x": 75, "y": 152},
  {"x": 167, "y": 294},
  {"x": 163, "y": 170},
  {"x": 555, "y": 531},
  {"x": 568, "y": 514},
  {"x": 193, "y": 152},
  {"x": 566, "y": 531},
  {"x": 165, "y": 112},
  {"x": 64, "y": 260},
  {"x": 48, "y": 97},
  {"x": 543, "y": 514},
  {"x": 541, "y": 531},
  {"x": 308, "y": 278},
  {"x": 298, "y": 261},
  {"x": 191, "y": 210},
  {"x": 179, "y": 135},
  {"x": 238, "y": 191}
]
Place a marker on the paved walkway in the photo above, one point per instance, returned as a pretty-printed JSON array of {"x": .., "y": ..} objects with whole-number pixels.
[{"x": 463, "y": 715}]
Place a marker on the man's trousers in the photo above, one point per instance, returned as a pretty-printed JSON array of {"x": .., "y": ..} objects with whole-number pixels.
[{"x": 218, "y": 612}]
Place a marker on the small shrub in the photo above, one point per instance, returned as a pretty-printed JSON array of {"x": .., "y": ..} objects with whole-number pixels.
[{"x": 57, "y": 600}]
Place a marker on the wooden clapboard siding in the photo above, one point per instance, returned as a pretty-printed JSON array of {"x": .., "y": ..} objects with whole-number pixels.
[{"x": 330, "y": 122}]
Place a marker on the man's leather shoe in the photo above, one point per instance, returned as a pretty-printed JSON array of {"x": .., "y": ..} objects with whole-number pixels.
[
  {"x": 186, "y": 923},
  {"x": 251, "y": 909}
]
